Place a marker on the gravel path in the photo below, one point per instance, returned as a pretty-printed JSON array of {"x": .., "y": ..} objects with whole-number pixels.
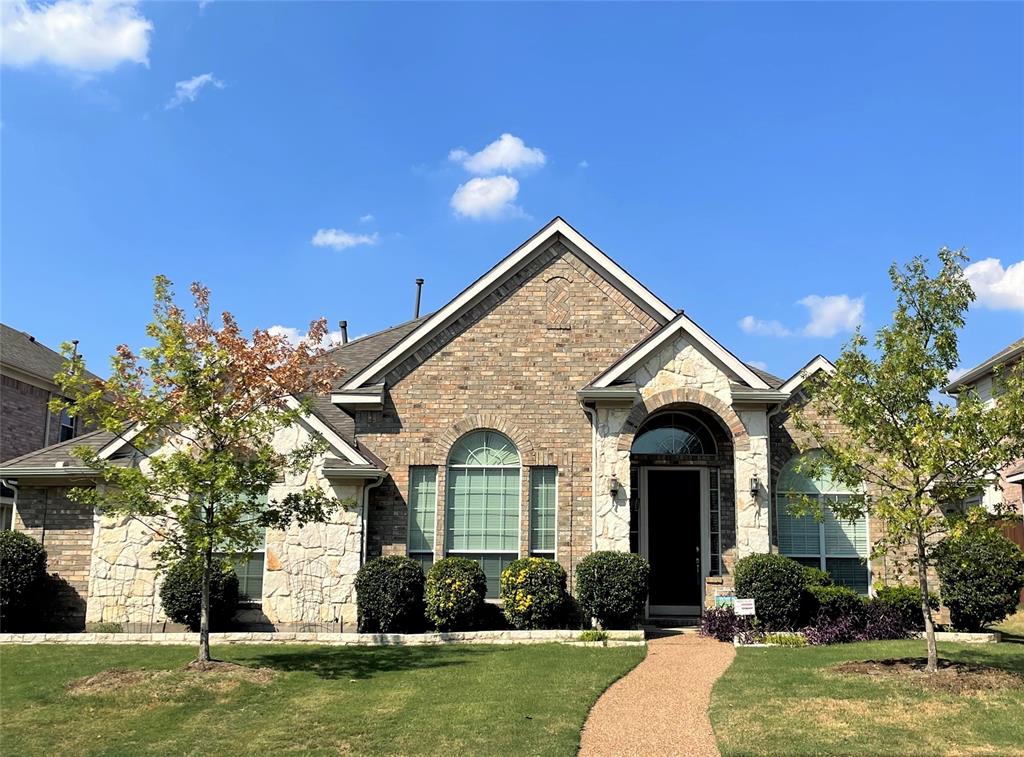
[{"x": 661, "y": 706}]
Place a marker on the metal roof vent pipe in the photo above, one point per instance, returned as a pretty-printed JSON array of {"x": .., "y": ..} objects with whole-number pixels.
[
  {"x": 343, "y": 325},
  {"x": 419, "y": 292}
]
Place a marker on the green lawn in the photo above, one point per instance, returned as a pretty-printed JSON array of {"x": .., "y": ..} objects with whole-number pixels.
[
  {"x": 783, "y": 701},
  {"x": 322, "y": 700}
]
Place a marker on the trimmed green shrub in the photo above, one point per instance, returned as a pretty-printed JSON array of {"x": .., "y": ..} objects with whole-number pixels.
[
  {"x": 182, "y": 593},
  {"x": 816, "y": 577},
  {"x": 22, "y": 578},
  {"x": 833, "y": 602},
  {"x": 592, "y": 634},
  {"x": 611, "y": 587},
  {"x": 776, "y": 584},
  {"x": 389, "y": 596},
  {"x": 533, "y": 593},
  {"x": 904, "y": 603},
  {"x": 785, "y": 639},
  {"x": 982, "y": 573},
  {"x": 456, "y": 588}
]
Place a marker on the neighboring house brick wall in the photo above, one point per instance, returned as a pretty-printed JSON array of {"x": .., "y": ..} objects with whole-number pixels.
[
  {"x": 23, "y": 407},
  {"x": 65, "y": 529},
  {"x": 1013, "y": 494},
  {"x": 509, "y": 364}
]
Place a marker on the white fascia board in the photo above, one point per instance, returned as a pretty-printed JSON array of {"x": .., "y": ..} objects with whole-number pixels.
[
  {"x": 819, "y": 363},
  {"x": 681, "y": 324},
  {"x": 1016, "y": 478},
  {"x": 329, "y": 434},
  {"x": 493, "y": 278},
  {"x": 120, "y": 441}
]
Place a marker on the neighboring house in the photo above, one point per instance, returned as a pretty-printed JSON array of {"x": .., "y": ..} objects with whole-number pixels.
[
  {"x": 984, "y": 379},
  {"x": 555, "y": 407},
  {"x": 27, "y": 369}
]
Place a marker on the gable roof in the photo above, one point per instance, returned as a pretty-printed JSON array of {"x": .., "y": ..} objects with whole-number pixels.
[
  {"x": 1005, "y": 355},
  {"x": 57, "y": 458},
  {"x": 815, "y": 364},
  {"x": 681, "y": 324},
  {"x": 556, "y": 230},
  {"x": 20, "y": 350}
]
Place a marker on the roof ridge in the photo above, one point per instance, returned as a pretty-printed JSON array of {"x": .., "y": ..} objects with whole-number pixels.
[{"x": 337, "y": 347}]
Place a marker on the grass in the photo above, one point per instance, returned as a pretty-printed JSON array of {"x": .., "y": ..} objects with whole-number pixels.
[
  {"x": 322, "y": 700},
  {"x": 1012, "y": 628},
  {"x": 784, "y": 701}
]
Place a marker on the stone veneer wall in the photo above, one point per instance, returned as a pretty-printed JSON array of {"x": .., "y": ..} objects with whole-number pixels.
[
  {"x": 65, "y": 529},
  {"x": 309, "y": 572},
  {"x": 513, "y": 363}
]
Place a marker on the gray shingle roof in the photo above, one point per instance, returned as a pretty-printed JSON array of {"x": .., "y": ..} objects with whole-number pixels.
[
  {"x": 20, "y": 350},
  {"x": 769, "y": 378},
  {"x": 981, "y": 369},
  {"x": 57, "y": 454}
]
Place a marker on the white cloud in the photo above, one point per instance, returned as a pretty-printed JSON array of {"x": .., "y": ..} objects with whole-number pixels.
[
  {"x": 832, "y": 313},
  {"x": 506, "y": 153},
  {"x": 490, "y": 197},
  {"x": 751, "y": 325},
  {"x": 583, "y": 164},
  {"x": 955, "y": 374},
  {"x": 83, "y": 36},
  {"x": 368, "y": 218},
  {"x": 342, "y": 240},
  {"x": 996, "y": 287},
  {"x": 187, "y": 91},
  {"x": 295, "y": 337}
]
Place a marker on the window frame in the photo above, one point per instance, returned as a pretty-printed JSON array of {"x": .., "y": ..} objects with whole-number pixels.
[
  {"x": 66, "y": 421},
  {"x": 419, "y": 554},
  {"x": 550, "y": 554}
]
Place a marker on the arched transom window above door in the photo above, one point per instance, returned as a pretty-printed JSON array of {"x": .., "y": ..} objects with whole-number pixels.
[
  {"x": 482, "y": 504},
  {"x": 674, "y": 433},
  {"x": 837, "y": 546}
]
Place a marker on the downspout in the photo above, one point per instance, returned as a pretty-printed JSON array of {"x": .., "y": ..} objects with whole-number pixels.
[
  {"x": 364, "y": 513},
  {"x": 46, "y": 425},
  {"x": 592, "y": 414},
  {"x": 12, "y": 484}
]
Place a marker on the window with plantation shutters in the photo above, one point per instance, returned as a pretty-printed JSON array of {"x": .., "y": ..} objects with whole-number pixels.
[
  {"x": 482, "y": 502},
  {"x": 834, "y": 545}
]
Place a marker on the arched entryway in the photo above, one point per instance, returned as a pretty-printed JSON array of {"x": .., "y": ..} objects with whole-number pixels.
[{"x": 681, "y": 466}]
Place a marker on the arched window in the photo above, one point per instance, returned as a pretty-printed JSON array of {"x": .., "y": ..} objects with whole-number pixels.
[
  {"x": 674, "y": 433},
  {"x": 837, "y": 546},
  {"x": 482, "y": 507}
]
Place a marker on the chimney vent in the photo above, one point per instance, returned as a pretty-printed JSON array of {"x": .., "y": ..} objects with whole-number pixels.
[
  {"x": 419, "y": 291},
  {"x": 343, "y": 325}
]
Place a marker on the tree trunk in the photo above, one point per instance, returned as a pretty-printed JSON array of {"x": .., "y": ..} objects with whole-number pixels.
[
  {"x": 204, "y": 606},
  {"x": 926, "y": 610}
]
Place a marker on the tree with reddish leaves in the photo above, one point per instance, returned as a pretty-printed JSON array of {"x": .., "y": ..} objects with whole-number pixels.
[{"x": 200, "y": 407}]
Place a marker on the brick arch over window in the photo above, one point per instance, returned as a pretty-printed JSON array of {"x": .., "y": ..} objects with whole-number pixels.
[
  {"x": 527, "y": 453},
  {"x": 728, "y": 417}
]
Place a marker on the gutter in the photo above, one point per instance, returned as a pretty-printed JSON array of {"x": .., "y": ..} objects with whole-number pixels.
[{"x": 364, "y": 513}]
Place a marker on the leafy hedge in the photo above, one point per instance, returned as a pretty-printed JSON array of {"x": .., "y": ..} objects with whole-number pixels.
[
  {"x": 389, "y": 595},
  {"x": 456, "y": 588},
  {"x": 776, "y": 584},
  {"x": 905, "y": 604},
  {"x": 22, "y": 579},
  {"x": 182, "y": 591},
  {"x": 833, "y": 602},
  {"x": 612, "y": 587},
  {"x": 982, "y": 573},
  {"x": 533, "y": 593}
]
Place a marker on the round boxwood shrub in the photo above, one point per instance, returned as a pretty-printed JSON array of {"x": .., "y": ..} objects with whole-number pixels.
[
  {"x": 612, "y": 587},
  {"x": 456, "y": 588},
  {"x": 816, "y": 577},
  {"x": 776, "y": 584},
  {"x": 904, "y": 604},
  {"x": 389, "y": 595},
  {"x": 22, "y": 578},
  {"x": 182, "y": 592},
  {"x": 830, "y": 603},
  {"x": 533, "y": 593},
  {"x": 982, "y": 573}
]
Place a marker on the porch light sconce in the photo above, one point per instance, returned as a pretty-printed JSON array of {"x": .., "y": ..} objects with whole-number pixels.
[
  {"x": 613, "y": 487},
  {"x": 755, "y": 487}
]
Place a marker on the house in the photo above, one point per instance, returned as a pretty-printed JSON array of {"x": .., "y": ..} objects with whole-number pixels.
[
  {"x": 984, "y": 379},
  {"x": 555, "y": 407},
  {"x": 27, "y": 369}
]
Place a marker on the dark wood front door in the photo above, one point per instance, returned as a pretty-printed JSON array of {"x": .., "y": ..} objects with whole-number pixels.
[{"x": 673, "y": 506}]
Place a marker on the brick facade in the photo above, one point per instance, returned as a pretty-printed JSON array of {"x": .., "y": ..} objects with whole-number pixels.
[
  {"x": 65, "y": 529},
  {"x": 513, "y": 363},
  {"x": 24, "y": 412}
]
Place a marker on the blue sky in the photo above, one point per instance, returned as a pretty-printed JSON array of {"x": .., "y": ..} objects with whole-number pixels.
[{"x": 758, "y": 165}]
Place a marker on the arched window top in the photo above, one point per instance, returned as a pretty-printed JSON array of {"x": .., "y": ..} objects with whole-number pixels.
[
  {"x": 793, "y": 480},
  {"x": 674, "y": 433},
  {"x": 484, "y": 449}
]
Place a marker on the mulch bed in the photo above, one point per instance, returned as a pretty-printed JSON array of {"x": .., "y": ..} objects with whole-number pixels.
[
  {"x": 951, "y": 677},
  {"x": 220, "y": 676}
]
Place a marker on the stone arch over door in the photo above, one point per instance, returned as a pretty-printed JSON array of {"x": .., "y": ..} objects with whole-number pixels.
[
  {"x": 527, "y": 452},
  {"x": 728, "y": 417}
]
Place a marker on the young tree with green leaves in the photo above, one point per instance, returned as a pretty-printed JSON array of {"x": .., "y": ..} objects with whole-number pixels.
[
  {"x": 200, "y": 407},
  {"x": 915, "y": 458}
]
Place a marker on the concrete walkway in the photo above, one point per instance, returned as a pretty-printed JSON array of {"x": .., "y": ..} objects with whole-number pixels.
[{"x": 661, "y": 706}]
